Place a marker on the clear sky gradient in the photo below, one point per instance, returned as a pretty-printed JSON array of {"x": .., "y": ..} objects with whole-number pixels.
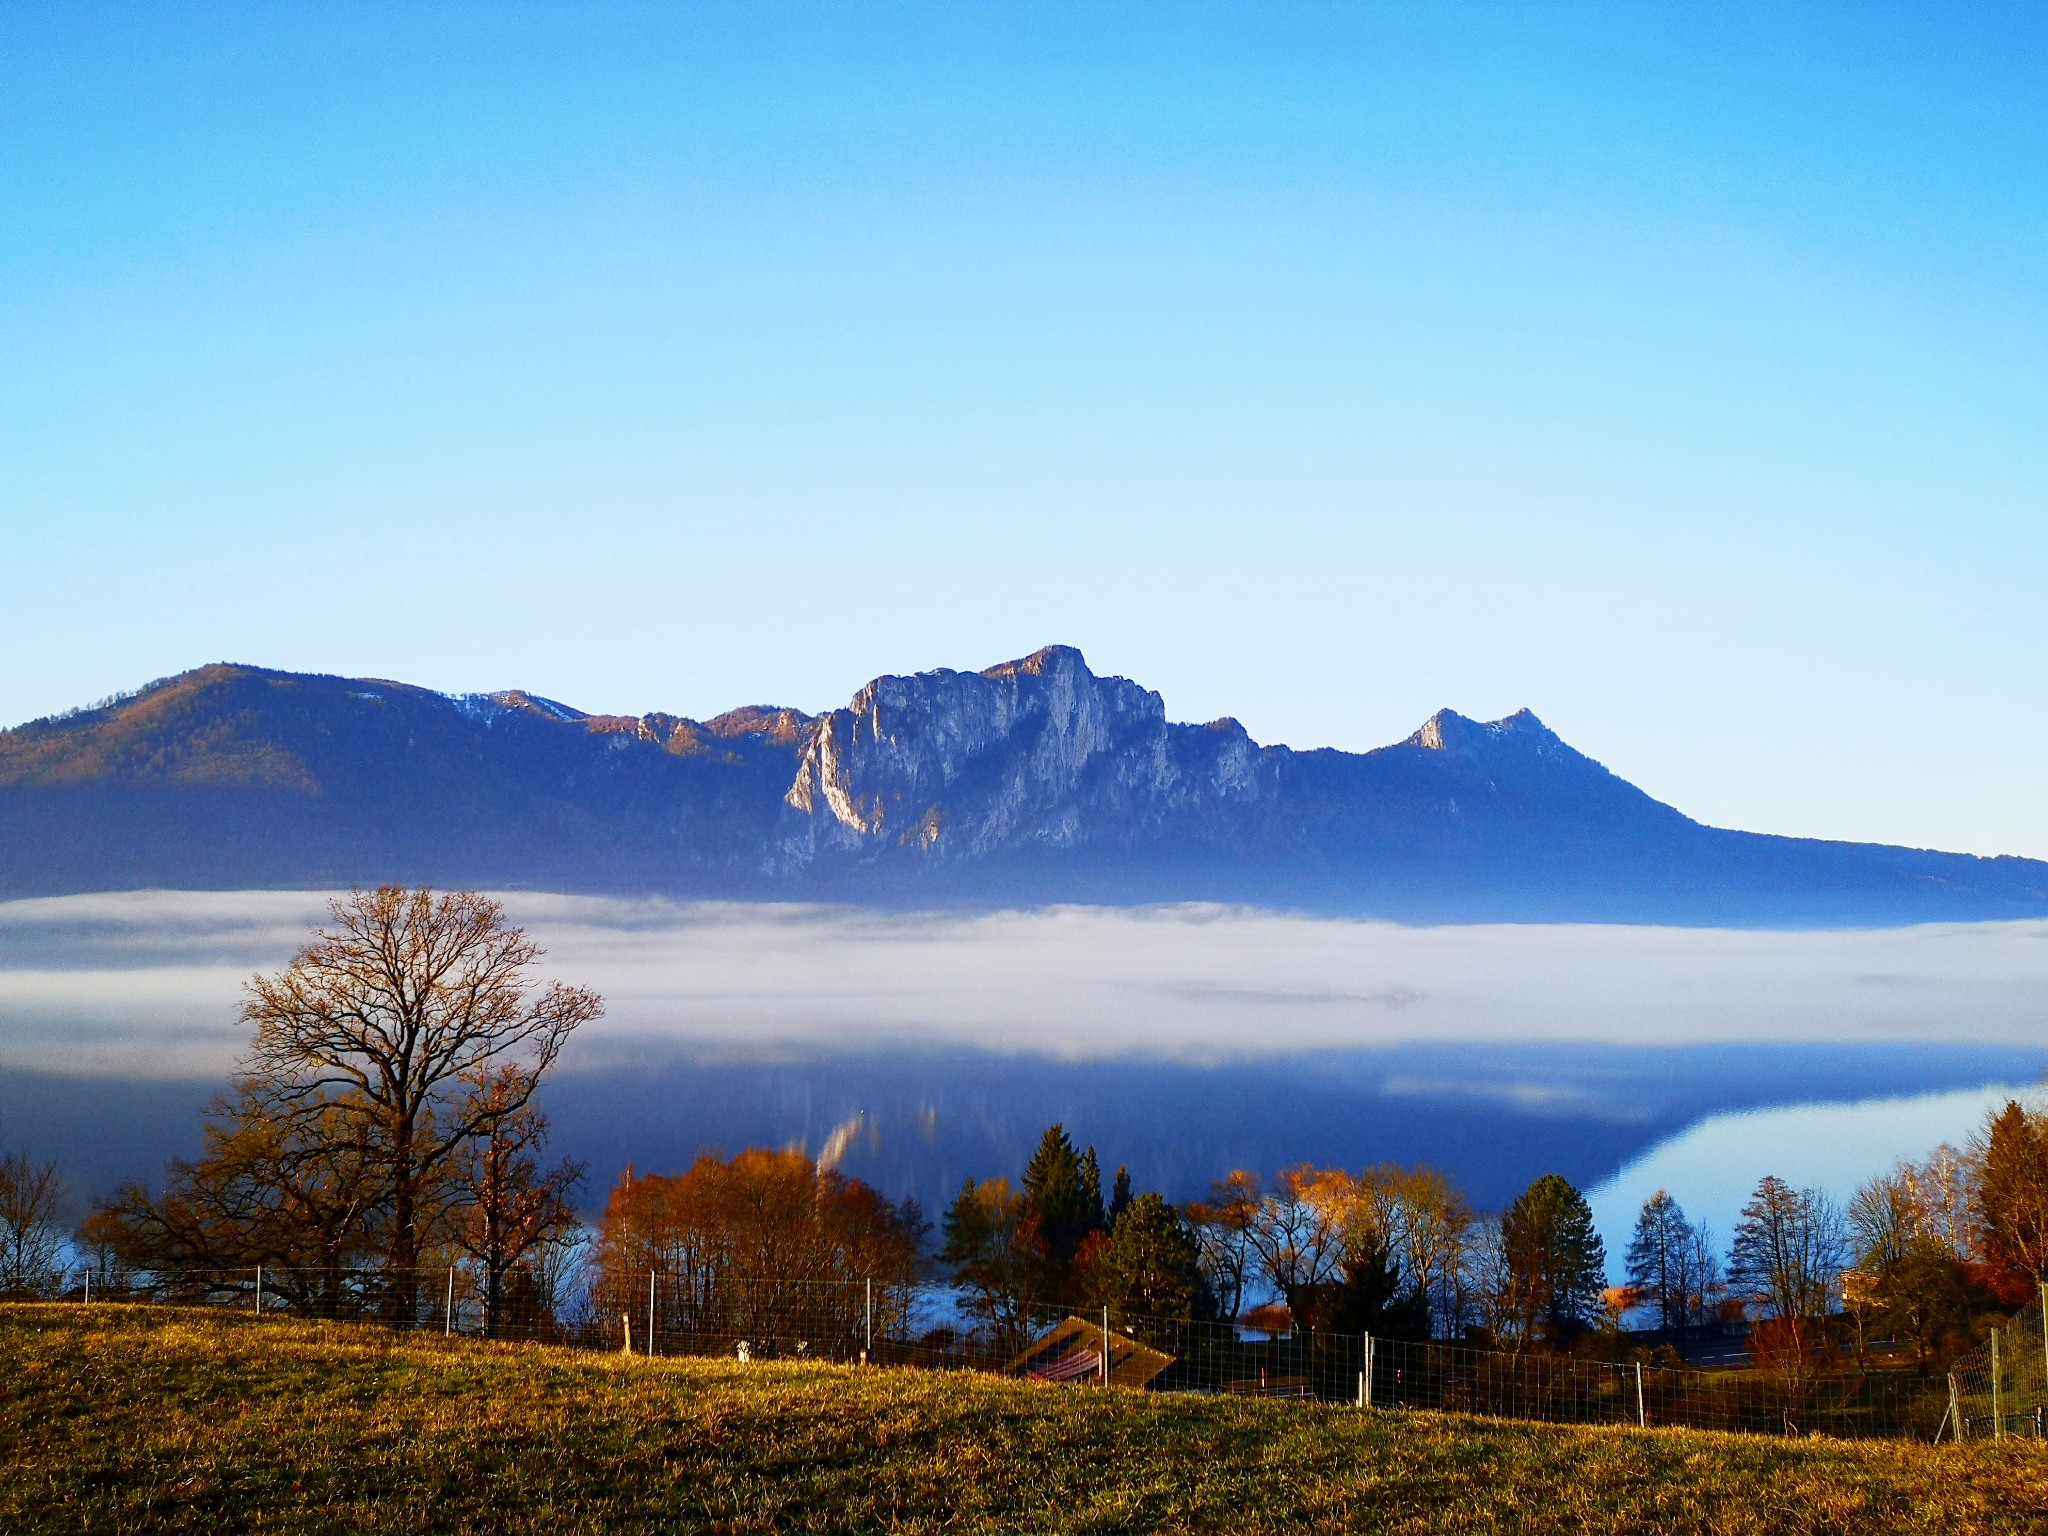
[{"x": 1678, "y": 372}]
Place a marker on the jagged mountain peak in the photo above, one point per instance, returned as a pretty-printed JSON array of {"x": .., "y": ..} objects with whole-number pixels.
[
  {"x": 893, "y": 754},
  {"x": 1054, "y": 681},
  {"x": 1449, "y": 731},
  {"x": 1047, "y": 658}
]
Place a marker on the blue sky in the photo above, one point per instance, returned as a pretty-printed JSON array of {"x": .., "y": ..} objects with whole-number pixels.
[{"x": 1677, "y": 372}]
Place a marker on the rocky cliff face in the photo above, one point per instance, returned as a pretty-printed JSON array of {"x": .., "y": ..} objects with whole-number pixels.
[
  {"x": 1035, "y": 780},
  {"x": 1039, "y": 753}
]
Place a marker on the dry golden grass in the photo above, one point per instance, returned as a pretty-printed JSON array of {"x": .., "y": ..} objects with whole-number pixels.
[{"x": 145, "y": 1419}]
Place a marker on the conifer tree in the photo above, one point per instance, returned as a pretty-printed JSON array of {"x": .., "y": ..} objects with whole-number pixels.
[
  {"x": 1119, "y": 1196},
  {"x": 1375, "y": 1296},
  {"x": 1151, "y": 1267},
  {"x": 1557, "y": 1265},
  {"x": 1063, "y": 1194},
  {"x": 1660, "y": 1260},
  {"x": 2012, "y": 1193}
]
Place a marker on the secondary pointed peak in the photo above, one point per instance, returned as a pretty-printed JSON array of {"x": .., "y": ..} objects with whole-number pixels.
[{"x": 1449, "y": 731}]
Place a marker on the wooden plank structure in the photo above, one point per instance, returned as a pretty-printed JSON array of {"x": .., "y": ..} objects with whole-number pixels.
[{"x": 1072, "y": 1353}]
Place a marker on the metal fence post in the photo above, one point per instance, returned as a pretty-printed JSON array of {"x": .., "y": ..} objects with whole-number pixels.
[
  {"x": 88, "y": 1287},
  {"x": 448, "y": 1312},
  {"x": 650, "y": 1312},
  {"x": 1365, "y": 1376},
  {"x": 1997, "y": 1406},
  {"x": 1642, "y": 1413},
  {"x": 259, "y": 1288},
  {"x": 1105, "y": 1346},
  {"x": 869, "y": 1353},
  {"x": 1955, "y": 1407}
]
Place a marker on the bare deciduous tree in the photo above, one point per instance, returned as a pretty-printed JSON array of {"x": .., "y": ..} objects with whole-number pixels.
[
  {"x": 1671, "y": 1263},
  {"x": 1222, "y": 1225},
  {"x": 1787, "y": 1260},
  {"x": 31, "y": 1241},
  {"x": 1421, "y": 1219},
  {"x": 295, "y": 1195},
  {"x": 1298, "y": 1234},
  {"x": 514, "y": 1206},
  {"x": 384, "y": 1029},
  {"x": 1789, "y": 1251}
]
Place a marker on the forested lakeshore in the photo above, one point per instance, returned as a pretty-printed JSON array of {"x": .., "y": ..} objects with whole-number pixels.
[{"x": 383, "y": 1155}]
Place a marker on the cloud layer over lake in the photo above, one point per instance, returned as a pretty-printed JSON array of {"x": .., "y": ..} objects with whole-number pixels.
[{"x": 147, "y": 983}]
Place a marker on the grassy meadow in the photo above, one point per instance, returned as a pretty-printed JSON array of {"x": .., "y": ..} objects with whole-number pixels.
[{"x": 120, "y": 1418}]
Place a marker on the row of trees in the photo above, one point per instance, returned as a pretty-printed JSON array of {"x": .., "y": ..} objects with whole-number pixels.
[
  {"x": 1921, "y": 1255},
  {"x": 1938, "y": 1245},
  {"x": 1393, "y": 1251}
]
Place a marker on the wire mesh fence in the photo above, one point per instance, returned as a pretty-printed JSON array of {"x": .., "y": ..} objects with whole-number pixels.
[
  {"x": 1606, "y": 1379},
  {"x": 2000, "y": 1390}
]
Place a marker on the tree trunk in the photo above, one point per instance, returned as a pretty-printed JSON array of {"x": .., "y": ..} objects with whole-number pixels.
[{"x": 402, "y": 1284}]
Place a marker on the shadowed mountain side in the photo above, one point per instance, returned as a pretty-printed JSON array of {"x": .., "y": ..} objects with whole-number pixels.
[{"x": 1035, "y": 781}]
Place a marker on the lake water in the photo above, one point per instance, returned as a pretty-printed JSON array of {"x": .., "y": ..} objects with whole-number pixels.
[{"x": 1711, "y": 1167}]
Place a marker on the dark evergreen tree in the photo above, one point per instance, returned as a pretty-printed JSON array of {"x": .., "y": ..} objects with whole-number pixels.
[
  {"x": 1150, "y": 1266},
  {"x": 1119, "y": 1196},
  {"x": 1557, "y": 1263},
  {"x": 1374, "y": 1296},
  {"x": 1063, "y": 1191},
  {"x": 1091, "y": 1194}
]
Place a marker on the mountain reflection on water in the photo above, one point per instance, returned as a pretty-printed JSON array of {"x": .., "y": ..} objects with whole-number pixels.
[{"x": 926, "y": 1119}]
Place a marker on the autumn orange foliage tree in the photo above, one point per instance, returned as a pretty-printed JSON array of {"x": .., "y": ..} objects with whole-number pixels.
[{"x": 763, "y": 1246}]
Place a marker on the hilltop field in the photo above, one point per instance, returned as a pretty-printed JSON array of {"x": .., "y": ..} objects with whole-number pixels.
[{"x": 133, "y": 1418}]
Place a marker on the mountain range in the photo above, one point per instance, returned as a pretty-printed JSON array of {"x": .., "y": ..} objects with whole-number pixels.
[{"x": 1033, "y": 781}]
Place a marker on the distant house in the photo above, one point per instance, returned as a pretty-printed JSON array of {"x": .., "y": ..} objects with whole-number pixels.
[{"x": 1072, "y": 1353}]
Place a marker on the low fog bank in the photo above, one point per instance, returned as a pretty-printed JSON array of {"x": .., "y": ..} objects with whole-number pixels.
[
  {"x": 147, "y": 982},
  {"x": 1183, "y": 1041}
]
